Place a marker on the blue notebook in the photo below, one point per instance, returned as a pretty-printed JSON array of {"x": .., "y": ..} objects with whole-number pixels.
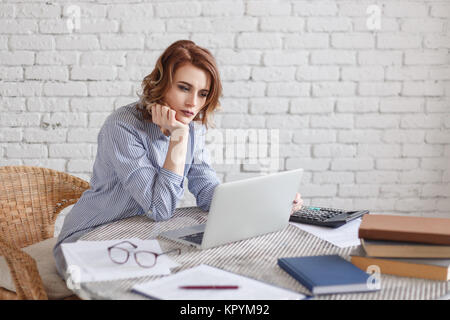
[{"x": 327, "y": 274}]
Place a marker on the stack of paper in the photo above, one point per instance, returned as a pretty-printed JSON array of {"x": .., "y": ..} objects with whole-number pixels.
[
  {"x": 89, "y": 261},
  {"x": 173, "y": 287},
  {"x": 344, "y": 236}
]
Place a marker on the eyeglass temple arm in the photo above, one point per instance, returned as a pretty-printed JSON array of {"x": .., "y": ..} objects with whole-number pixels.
[
  {"x": 178, "y": 249},
  {"x": 126, "y": 241}
]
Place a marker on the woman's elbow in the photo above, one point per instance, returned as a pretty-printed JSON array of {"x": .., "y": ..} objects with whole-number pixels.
[
  {"x": 160, "y": 214},
  {"x": 204, "y": 206}
]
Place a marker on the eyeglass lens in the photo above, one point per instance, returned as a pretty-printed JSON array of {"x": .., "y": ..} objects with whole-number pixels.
[
  {"x": 118, "y": 255},
  {"x": 145, "y": 259}
]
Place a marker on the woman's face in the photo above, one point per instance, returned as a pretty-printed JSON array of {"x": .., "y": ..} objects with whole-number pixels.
[{"x": 188, "y": 93}]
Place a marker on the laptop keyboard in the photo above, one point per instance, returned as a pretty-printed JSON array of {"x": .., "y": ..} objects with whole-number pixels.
[{"x": 195, "y": 238}]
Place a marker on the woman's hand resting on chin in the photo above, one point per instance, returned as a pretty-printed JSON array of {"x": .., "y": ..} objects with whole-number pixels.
[{"x": 165, "y": 118}]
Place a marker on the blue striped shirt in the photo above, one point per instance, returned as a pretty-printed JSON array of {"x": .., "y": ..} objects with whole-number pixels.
[{"x": 128, "y": 178}]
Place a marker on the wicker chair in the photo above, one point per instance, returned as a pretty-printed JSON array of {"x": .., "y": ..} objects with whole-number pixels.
[{"x": 30, "y": 200}]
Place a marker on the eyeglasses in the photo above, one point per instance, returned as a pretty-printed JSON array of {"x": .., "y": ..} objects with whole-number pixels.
[{"x": 145, "y": 259}]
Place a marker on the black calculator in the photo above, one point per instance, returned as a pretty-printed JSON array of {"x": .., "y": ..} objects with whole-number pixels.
[{"x": 325, "y": 217}]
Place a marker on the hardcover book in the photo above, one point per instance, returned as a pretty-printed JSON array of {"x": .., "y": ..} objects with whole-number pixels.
[
  {"x": 405, "y": 228},
  {"x": 434, "y": 269},
  {"x": 400, "y": 249},
  {"x": 327, "y": 274}
]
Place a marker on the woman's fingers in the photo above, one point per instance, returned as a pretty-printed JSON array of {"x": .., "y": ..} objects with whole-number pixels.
[
  {"x": 165, "y": 113},
  {"x": 171, "y": 116},
  {"x": 165, "y": 117},
  {"x": 300, "y": 200},
  {"x": 297, "y": 203},
  {"x": 156, "y": 112},
  {"x": 161, "y": 113}
]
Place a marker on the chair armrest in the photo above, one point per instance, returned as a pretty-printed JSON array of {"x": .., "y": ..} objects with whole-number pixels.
[{"x": 24, "y": 273}]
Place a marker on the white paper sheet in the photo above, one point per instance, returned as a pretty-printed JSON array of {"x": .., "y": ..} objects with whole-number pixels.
[
  {"x": 168, "y": 287},
  {"x": 344, "y": 236},
  {"x": 91, "y": 260}
]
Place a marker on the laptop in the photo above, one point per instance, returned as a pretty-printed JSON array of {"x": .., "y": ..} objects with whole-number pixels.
[{"x": 243, "y": 209}]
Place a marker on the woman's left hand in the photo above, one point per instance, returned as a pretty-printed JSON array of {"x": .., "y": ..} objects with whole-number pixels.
[{"x": 297, "y": 203}]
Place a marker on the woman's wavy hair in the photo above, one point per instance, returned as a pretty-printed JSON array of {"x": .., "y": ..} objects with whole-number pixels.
[{"x": 158, "y": 82}]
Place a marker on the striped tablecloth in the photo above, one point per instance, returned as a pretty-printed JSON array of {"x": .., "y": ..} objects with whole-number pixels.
[{"x": 255, "y": 258}]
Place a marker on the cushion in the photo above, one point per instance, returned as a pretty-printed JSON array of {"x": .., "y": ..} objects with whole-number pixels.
[{"x": 42, "y": 252}]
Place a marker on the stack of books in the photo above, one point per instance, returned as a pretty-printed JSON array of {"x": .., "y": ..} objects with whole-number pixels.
[{"x": 405, "y": 246}]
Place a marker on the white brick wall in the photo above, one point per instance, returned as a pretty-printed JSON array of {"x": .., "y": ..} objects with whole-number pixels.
[{"x": 364, "y": 111}]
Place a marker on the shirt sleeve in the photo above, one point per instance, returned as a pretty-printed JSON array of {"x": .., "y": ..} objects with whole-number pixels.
[
  {"x": 156, "y": 190},
  {"x": 202, "y": 179}
]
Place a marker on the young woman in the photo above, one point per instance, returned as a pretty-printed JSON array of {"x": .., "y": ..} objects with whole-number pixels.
[{"x": 146, "y": 149}]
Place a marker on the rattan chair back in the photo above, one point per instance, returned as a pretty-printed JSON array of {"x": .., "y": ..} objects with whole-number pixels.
[{"x": 30, "y": 200}]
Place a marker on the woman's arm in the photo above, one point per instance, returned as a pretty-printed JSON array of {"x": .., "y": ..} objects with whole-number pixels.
[
  {"x": 176, "y": 153},
  {"x": 164, "y": 117},
  {"x": 202, "y": 179},
  {"x": 156, "y": 190}
]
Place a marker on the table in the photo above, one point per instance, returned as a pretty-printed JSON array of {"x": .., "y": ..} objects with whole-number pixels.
[{"x": 255, "y": 258}]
